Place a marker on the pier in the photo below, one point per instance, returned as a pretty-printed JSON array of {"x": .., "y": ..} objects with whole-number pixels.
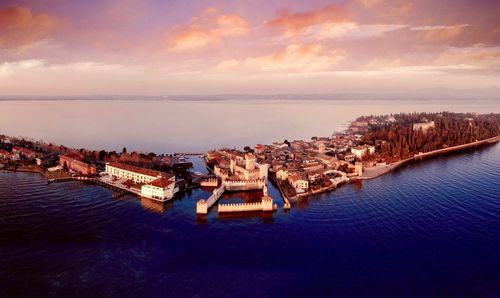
[
  {"x": 202, "y": 205},
  {"x": 119, "y": 191}
]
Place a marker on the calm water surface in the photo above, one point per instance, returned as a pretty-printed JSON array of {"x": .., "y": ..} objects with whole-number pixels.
[
  {"x": 430, "y": 229},
  {"x": 173, "y": 126}
]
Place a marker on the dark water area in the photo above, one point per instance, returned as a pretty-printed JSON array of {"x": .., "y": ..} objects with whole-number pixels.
[{"x": 429, "y": 229}]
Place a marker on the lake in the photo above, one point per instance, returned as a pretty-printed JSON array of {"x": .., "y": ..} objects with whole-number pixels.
[{"x": 166, "y": 126}]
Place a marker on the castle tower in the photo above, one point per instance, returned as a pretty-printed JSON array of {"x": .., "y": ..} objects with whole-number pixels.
[
  {"x": 231, "y": 166},
  {"x": 249, "y": 161},
  {"x": 358, "y": 168},
  {"x": 263, "y": 170},
  {"x": 321, "y": 148},
  {"x": 267, "y": 204}
]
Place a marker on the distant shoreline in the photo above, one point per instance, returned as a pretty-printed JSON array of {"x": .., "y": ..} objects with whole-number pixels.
[{"x": 243, "y": 97}]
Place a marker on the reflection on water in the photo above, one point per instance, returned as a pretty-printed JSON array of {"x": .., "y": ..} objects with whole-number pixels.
[
  {"x": 266, "y": 217},
  {"x": 436, "y": 221},
  {"x": 358, "y": 184},
  {"x": 241, "y": 196},
  {"x": 156, "y": 206}
]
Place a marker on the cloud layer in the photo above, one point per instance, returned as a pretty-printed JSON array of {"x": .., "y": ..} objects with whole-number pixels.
[{"x": 164, "y": 47}]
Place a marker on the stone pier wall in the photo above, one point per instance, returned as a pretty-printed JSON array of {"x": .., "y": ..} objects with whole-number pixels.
[{"x": 267, "y": 204}]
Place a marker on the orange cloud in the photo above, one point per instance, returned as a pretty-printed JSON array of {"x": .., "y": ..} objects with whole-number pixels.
[
  {"x": 207, "y": 29},
  {"x": 298, "y": 22},
  {"x": 294, "y": 58},
  {"x": 19, "y": 27}
]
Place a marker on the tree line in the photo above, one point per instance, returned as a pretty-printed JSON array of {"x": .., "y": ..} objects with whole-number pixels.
[{"x": 399, "y": 139}]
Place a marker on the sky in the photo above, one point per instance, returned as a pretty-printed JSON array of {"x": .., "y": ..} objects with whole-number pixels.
[{"x": 132, "y": 47}]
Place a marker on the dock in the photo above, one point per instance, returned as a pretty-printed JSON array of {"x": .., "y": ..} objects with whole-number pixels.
[
  {"x": 119, "y": 191},
  {"x": 202, "y": 206}
]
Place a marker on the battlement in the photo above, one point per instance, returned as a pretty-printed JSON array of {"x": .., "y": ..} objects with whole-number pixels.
[
  {"x": 210, "y": 182},
  {"x": 265, "y": 205}
]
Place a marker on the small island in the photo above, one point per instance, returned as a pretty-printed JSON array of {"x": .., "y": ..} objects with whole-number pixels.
[{"x": 369, "y": 147}]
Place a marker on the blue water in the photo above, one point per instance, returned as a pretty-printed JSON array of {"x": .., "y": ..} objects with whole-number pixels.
[{"x": 430, "y": 229}]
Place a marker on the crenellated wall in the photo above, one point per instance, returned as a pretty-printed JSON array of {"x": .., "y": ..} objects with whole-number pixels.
[
  {"x": 267, "y": 204},
  {"x": 231, "y": 185},
  {"x": 210, "y": 182}
]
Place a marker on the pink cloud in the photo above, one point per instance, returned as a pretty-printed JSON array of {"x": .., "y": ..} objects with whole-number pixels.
[
  {"x": 19, "y": 27},
  {"x": 440, "y": 33},
  {"x": 208, "y": 28},
  {"x": 295, "y": 23},
  {"x": 293, "y": 58}
]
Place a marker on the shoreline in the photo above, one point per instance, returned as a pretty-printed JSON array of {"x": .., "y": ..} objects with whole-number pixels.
[
  {"x": 381, "y": 170},
  {"x": 368, "y": 173},
  {"x": 377, "y": 171}
]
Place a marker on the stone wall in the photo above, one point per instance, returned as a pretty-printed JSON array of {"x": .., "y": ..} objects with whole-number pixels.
[{"x": 267, "y": 204}]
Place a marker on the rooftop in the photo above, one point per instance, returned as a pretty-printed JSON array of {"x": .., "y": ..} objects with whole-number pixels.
[
  {"x": 161, "y": 182},
  {"x": 139, "y": 170}
]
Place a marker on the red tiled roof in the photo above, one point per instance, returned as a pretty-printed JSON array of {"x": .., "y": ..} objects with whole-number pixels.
[{"x": 161, "y": 182}]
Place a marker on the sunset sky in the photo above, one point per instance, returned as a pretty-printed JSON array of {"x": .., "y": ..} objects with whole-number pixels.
[{"x": 59, "y": 47}]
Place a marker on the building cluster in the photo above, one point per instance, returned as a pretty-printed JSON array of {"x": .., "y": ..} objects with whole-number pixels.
[
  {"x": 17, "y": 153},
  {"x": 309, "y": 166},
  {"x": 234, "y": 165},
  {"x": 153, "y": 184}
]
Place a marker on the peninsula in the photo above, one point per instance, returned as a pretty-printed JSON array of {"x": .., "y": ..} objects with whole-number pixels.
[{"x": 368, "y": 148}]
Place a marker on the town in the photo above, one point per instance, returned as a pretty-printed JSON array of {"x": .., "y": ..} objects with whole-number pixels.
[{"x": 370, "y": 147}]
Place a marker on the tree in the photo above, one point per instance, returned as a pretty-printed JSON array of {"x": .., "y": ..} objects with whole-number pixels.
[{"x": 102, "y": 155}]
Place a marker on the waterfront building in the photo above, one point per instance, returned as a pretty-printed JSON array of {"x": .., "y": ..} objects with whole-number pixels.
[
  {"x": 77, "y": 165},
  {"x": 7, "y": 155},
  {"x": 157, "y": 185},
  {"x": 160, "y": 189},
  {"x": 47, "y": 160},
  {"x": 298, "y": 181},
  {"x": 24, "y": 152},
  {"x": 136, "y": 174}
]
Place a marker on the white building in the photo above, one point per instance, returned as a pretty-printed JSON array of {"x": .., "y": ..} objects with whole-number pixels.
[
  {"x": 137, "y": 174},
  {"x": 425, "y": 126},
  {"x": 361, "y": 151},
  {"x": 161, "y": 189},
  {"x": 298, "y": 181},
  {"x": 157, "y": 185}
]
